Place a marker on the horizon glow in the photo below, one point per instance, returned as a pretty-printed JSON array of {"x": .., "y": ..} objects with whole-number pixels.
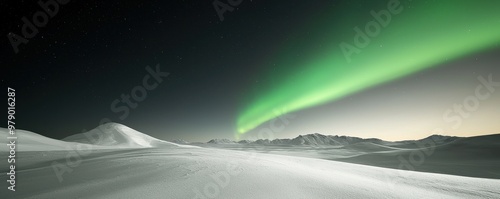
[{"x": 408, "y": 44}]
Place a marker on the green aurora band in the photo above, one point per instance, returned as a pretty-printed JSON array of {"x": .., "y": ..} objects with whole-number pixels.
[{"x": 419, "y": 37}]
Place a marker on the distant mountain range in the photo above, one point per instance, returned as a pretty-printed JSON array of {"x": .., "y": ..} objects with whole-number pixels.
[{"x": 317, "y": 139}]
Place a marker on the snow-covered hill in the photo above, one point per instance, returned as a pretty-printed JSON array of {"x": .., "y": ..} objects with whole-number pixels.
[
  {"x": 180, "y": 141},
  {"x": 152, "y": 168},
  {"x": 106, "y": 136},
  {"x": 221, "y": 141},
  {"x": 317, "y": 139},
  {"x": 29, "y": 141},
  {"x": 215, "y": 173},
  {"x": 119, "y": 136}
]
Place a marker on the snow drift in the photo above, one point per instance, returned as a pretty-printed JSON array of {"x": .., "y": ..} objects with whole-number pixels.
[
  {"x": 215, "y": 173},
  {"x": 29, "y": 141},
  {"x": 119, "y": 136},
  {"x": 106, "y": 136},
  {"x": 147, "y": 169}
]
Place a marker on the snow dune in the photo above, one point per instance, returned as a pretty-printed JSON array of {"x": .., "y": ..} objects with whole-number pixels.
[
  {"x": 29, "y": 141},
  {"x": 472, "y": 156},
  {"x": 106, "y": 136},
  {"x": 217, "y": 173},
  {"x": 119, "y": 136},
  {"x": 145, "y": 167}
]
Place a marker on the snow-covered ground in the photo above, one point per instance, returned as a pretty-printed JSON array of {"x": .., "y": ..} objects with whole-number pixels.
[
  {"x": 466, "y": 156},
  {"x": 159, "y": 169}
]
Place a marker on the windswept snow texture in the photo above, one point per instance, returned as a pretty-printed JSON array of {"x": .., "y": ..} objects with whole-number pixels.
[
  {"x": 216, "y": 173},
  {"x": 134, "y": 165},
  {"x": 464, "y": 156}
]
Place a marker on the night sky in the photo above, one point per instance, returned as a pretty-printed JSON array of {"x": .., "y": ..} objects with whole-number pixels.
[{"x": 228, "y": 79}]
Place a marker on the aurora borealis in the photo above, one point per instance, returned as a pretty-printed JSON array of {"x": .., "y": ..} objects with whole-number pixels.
[
  {"x": 424, "y": 34},
  {"x": 231, "y": 79}
]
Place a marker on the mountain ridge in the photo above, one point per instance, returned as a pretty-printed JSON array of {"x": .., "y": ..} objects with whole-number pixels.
[{"x": 317, "y": 139}]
